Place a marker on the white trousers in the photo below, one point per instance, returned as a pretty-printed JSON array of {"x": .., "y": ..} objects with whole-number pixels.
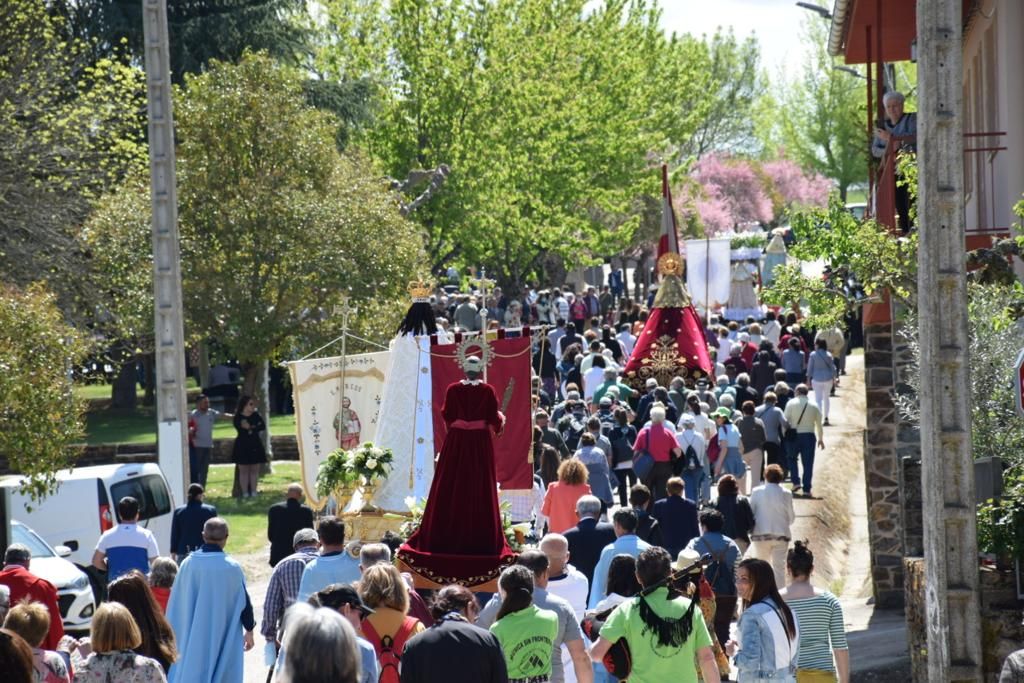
[
  {"x": 773, "y": 552},
  {"x": 821, "y": 391},
  {"x": 754, "y": 459}
]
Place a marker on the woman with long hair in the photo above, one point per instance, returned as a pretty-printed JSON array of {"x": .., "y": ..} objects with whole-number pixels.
[
  {"x": 133, "y": 591},
  {"x": 527, "y": 633},
  {"x": 769, "y": 640},
  {"x": 560, "y": 500},
  {"x": 248, "y": 452},
  {"x": 621, "y": 585},
  {"x": 823, "y": 654},
  {"x": 549, "y": 461}
]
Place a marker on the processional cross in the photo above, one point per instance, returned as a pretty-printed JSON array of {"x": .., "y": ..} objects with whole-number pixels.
[
  {"x": 485, "y": 285},
  {"x": 344, "y": 309}
]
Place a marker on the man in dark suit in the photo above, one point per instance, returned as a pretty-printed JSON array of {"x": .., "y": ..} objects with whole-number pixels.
[
  {"x": 589, "y": 537},
  {"x": 187, "y": 524},
  {"x": 283, "y": 520},
  {"x": 677, "y": 517}
]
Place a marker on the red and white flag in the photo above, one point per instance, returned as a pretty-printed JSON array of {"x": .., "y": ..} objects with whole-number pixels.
[{"x": 669, "y": 241}]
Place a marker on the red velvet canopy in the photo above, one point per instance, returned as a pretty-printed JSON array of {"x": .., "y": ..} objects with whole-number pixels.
[{"x": 672, "y": 343}]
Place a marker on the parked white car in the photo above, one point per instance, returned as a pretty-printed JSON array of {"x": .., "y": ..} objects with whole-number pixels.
[
  {"x": 74, "y": 592},
  {"x": 85, "y": 505}
]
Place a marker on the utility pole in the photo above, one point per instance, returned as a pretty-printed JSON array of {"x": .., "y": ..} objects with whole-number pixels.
[
  {"x": 169, "y": 336},
  {"x": 947, "y": 473}
]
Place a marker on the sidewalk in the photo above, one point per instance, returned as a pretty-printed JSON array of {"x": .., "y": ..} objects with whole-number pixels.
[{"x": 877, "y": 638}]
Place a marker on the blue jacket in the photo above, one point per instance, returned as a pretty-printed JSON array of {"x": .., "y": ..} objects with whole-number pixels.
[
  {"x": 628, "y": 544},
  {"x": 187, "y": 527},
  {"x": 766, "y": 651},
  {"x": 677, "y": 518}
]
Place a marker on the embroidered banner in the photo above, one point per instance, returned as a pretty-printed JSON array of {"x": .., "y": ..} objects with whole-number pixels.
[
  {"x": 322, "y": 422},
  {"x": 509, "y": 373}
]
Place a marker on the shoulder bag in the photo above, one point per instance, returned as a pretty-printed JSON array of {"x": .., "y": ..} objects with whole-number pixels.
[{"x": 643, "y": 462}]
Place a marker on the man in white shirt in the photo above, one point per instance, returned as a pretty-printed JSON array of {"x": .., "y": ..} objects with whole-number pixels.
[
  {"x": 773, "y": 516},
  {"x": 627, "y": 340},
  {"x": 771, "y": 330},
  {"x": 561, "y": 304},
  {"x": 568, "y": 583}
]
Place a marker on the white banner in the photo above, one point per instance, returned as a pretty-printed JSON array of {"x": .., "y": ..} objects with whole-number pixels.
[
  {"x": 707, "y": 272},
  {"x": 321, "y": 422}
]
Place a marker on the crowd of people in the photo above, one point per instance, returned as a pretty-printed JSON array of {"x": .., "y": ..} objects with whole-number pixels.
[{"x": 631, "y": 571}]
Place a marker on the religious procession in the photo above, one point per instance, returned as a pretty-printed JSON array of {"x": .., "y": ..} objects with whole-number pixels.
[{"x": 511, "y": 341}]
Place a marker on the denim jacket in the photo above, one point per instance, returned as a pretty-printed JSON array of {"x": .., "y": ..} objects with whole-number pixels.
[{"x": 765, "y": 654}]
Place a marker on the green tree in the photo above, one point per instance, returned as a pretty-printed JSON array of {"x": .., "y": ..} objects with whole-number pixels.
[
  {"x": 200, "y": 31},
  {"x": 729, "y": 99},
  {"x": 40, "y": 417},
  {"x": 276, "y": 224},
  {"x": 118, "y": 239},
  {"x": 546, "y": 114},
  {"x": 880, "y": 262},
  {"x": 69, "y": 129},
  {"x": 822, "y": 117}
]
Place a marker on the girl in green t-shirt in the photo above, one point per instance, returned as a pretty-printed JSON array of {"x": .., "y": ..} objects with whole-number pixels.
[{"x": 526, "y": 632}]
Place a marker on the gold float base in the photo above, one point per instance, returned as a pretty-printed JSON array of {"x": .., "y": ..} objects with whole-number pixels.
[{"x": 369, "y": 526}]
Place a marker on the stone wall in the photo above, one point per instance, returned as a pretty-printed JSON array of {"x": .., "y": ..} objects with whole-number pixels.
[
  {"x": 908, "y": 448},
  {"x": 882, "y": 467},
  {"x": 284, "y": 448},
  {"x": 1001, "y": 628}
]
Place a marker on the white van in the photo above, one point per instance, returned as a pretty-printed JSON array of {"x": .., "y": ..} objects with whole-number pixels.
[
  {"x": 85, "y": 505},
  {"x": 74, "y": 592}
]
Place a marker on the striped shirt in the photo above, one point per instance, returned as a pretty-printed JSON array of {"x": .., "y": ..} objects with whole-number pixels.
[
  {"x": 821, "y": 630},
  {"x": 283, "y": 589}
]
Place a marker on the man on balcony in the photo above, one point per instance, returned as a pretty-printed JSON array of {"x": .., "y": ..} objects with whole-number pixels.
[{"x": 903, "y": 127}]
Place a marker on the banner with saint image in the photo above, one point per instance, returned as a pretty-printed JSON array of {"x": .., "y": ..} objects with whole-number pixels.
[{"x": 324, "y": 420}]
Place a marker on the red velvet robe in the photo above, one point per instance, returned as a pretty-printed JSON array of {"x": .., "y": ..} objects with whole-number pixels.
[{"x": 460, "y": 539}]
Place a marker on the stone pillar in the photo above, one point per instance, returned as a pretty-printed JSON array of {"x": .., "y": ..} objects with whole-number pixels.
[{"x": 882, "y": 467}]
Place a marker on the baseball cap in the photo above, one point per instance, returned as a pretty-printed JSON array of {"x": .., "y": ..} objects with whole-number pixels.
[
  {"x": 605, "y": 401},
  {"x": 651, "y": 383},
  {"x": 338, "y": 594},
  {"x": 723, "y": 412},
  {"x": 303, "y": 536},
  {"x": 688, "y": 419}
]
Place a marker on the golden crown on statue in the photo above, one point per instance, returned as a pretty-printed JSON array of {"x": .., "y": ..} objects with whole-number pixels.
[{"x": 420, "y": 290}]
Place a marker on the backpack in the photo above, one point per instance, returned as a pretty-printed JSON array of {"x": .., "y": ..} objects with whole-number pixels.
[
  {"x": 690, "y": 460},
  {"x": 718, "y": 574},
  {"x": 389, "y": 649},
  {"x": 572, "y": 429}
]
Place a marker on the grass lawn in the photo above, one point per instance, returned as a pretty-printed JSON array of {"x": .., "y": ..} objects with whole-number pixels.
[
  {"x": 108, "y": 426},
  {"x": 102, "y": 391},
  {"x": 247, "y": 518}
]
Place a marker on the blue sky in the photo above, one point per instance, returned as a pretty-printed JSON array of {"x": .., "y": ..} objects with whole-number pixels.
[{"x": 775, "y": 22}]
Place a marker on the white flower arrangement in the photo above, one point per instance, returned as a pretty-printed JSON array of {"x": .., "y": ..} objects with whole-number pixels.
[{"x": 362, "y": 464}]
